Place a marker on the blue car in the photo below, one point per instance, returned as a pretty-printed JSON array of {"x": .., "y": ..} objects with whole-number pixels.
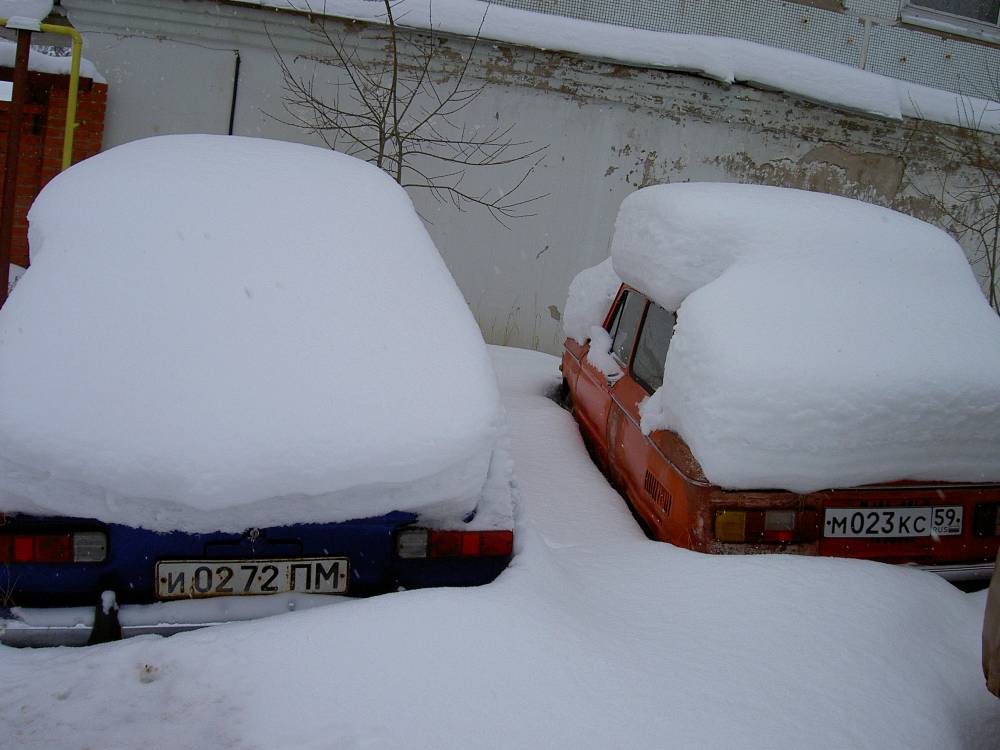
[
  {"x": 237, "y": 379},
  {"x": 60, "y": 571}
]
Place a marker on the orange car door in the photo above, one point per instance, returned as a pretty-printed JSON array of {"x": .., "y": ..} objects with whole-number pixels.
[
  {"x": 637, "y": 464},
  {"x": 623, "y": 336},
  {"x": 592, "y": 400}
]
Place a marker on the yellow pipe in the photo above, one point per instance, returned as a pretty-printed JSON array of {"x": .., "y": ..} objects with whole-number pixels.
[{"x": 74, "y": 85}]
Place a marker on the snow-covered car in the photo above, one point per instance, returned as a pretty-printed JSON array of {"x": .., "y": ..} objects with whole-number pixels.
[
  {"x": 237, "y": 375},
  {"x": 770, "y": 370}
]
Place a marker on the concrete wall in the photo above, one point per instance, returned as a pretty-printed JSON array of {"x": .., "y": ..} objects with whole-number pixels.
[{"x": 171, "y": 67}]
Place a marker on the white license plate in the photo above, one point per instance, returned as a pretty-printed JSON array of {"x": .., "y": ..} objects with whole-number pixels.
[
  {"x": 184, "y": 579},
  {"x": 943, "y": 520}
]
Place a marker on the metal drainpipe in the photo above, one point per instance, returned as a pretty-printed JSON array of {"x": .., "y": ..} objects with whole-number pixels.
[
  {"x": 17, "y": 103},
  {"x": 236, "y": 87}
]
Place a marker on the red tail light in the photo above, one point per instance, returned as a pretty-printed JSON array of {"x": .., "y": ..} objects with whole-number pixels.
[
  {"x": 86, "y": 546},
  {"x": 497, "y": 543},
  {"x": 54, "y": 548},
  {"x": 419, "y": 543},
  {"x": 784, "y": 537},
  {"x": 37, "y": 548},
  {"x": 470, "y": 543},
  {"x": 444, "y": 544}
]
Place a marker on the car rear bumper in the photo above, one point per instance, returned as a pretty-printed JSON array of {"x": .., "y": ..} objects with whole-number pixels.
[
  {"x": 958, "y": 573},
  {"x": 73, "y": 626}
]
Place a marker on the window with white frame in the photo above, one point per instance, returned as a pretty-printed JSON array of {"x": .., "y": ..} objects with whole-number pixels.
[{"x": 977, "y": 18}]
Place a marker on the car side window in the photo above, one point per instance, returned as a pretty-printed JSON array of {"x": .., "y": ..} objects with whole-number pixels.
[
  {"x": 651, "y": 351},
  {"x": 624, "y": 325},
  {"x": 617, "y": 317}
]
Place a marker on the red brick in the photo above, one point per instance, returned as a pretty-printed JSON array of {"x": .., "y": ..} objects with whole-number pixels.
[{"x": 40, "y": 157}]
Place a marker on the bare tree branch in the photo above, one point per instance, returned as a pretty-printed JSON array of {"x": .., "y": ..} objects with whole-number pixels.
[
  {"x": 401, "y": 112},
  {"x": 969, "y": 200}
]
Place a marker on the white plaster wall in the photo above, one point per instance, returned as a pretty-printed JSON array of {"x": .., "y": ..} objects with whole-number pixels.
[{"x": 162, "y": 86}]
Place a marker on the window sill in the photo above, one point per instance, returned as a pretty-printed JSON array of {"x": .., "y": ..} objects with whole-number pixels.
[{"x": 950, "y": 24}]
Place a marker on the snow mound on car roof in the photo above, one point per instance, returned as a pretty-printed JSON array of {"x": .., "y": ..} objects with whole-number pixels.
[
  {"x": 222, "y": 332},
  {"x": 820, "y": 341},
  {"x": 590, "y": 295}
]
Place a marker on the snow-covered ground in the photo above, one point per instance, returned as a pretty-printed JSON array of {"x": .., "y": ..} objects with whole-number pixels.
[{"x": 594, "y": 638}]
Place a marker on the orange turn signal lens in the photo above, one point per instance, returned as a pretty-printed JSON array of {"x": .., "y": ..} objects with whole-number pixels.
[{"x": 731, "y": 526}]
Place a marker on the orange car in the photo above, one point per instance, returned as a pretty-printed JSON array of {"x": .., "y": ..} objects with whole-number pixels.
[
  {"x": 949, "y": 528},
  {"x": 991, "y": 635}
]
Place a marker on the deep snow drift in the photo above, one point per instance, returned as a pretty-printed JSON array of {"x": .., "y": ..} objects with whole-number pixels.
[
  {"x": 220, "y": 332},
  {"x": 820, "y": 341},
  {"x": 595, "y": 638}
]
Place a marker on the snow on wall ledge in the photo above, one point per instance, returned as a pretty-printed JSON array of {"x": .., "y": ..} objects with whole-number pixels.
[
  {"x": 27, "y": 10},
  {"x": 41, "y": 62},
  {"x": 820, "y": 341},
  {"x": 721, "y": 58},
  {"x": 220, "y": 332}
]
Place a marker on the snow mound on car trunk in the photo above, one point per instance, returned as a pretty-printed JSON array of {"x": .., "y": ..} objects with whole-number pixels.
[
  {"x": 220, "y": 332},
  {"x": 820, "y": 341}
]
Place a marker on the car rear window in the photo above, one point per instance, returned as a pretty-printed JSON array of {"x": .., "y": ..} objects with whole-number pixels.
[
  {"x": 651, "y": 352},
  {"x": 625, "y": 324}
]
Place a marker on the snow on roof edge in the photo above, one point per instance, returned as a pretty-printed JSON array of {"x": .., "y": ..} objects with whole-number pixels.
[{"x": 720, "y": 58}]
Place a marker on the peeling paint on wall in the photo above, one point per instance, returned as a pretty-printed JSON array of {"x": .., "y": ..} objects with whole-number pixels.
[
  {"x": 853, "y": 178},
  {"x": 883, "y": 173},
  {"x": 884, "y": 179}
]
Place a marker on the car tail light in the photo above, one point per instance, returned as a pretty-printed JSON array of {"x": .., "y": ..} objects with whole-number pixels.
[
  {"x": 986, "y": 519},
  {"x": 423, "y": 543},
  {"x": 411, "y": 543},
  {"x": 445, "y": 544},
  {"x": 731, "y": 526},
  {"x": 496, "y": 543},
  {"x": 89, "y": 546},
  {"x": 83, "y": 546},
  {"x": 779, "y": 525},
  {"x": 759, "y": 526}
]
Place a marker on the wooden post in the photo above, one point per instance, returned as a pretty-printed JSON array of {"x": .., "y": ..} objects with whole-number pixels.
[{"x": 10, "y": 164}]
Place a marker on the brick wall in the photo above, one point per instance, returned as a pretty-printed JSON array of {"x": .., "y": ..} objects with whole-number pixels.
[{"x": 40, "y": 153}]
